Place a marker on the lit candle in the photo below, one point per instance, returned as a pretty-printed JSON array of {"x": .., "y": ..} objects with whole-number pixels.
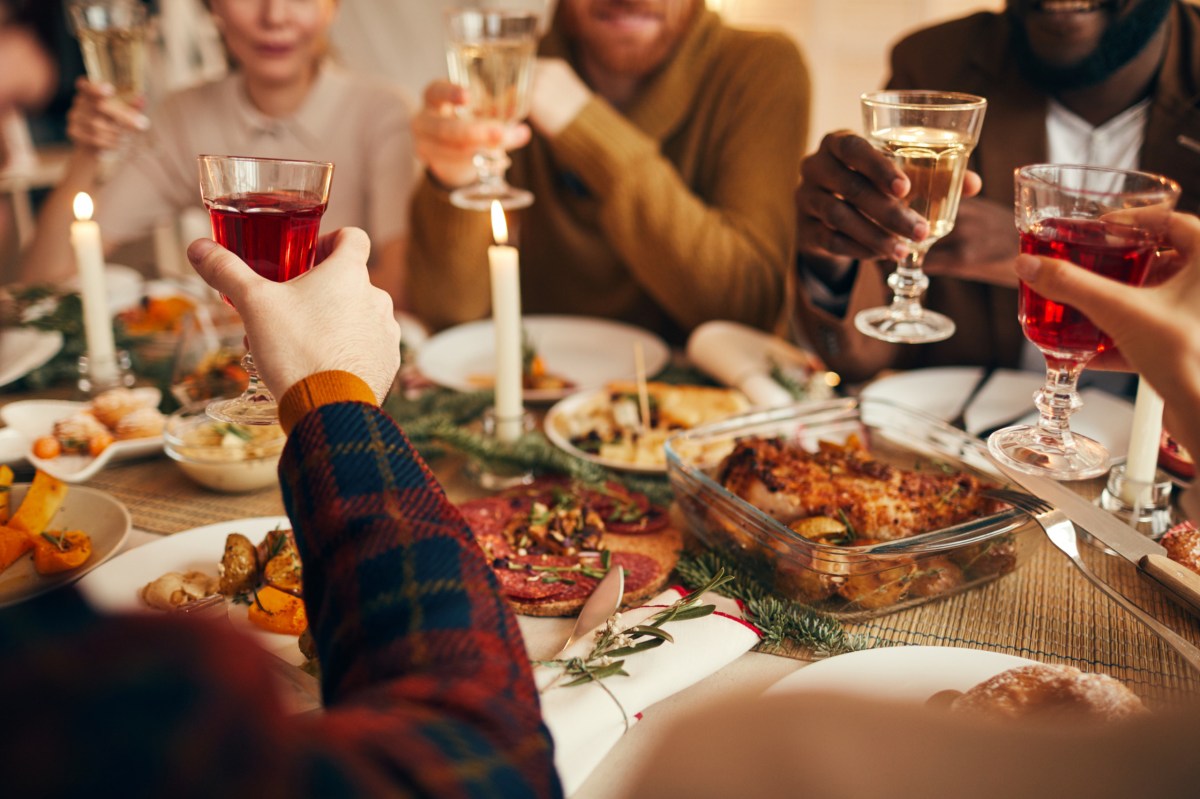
[
  {"x": 506, "y": 317},
  {"x": 1142, "y": 463},
  {"x": 97, "y": 324}
]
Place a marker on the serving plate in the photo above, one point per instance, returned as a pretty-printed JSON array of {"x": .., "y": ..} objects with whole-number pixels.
[
  {"x": 588, "y": 352},
  {"x": 32, "y": 419},
  {"x": 101, "y": 516},
  {"x": 23, "y": 349},
  {"x": 899, "y": 673},
  {"x": 117, "y": 586},
  {"x": 556, "y": 426}
]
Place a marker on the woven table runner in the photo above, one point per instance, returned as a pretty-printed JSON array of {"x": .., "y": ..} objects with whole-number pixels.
[{"x": 162, "y": 500}]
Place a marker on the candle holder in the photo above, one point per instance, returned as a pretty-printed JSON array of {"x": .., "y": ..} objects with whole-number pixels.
[
  {"x": 1153, "y": 514},
  {"x": 90, "y": 383},
  {"x": 491, "y": 476}
]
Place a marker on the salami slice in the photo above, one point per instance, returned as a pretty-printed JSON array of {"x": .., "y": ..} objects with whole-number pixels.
[
  {"x": 488, "y": 519},
  {"x": 640, "y": 570},
  {"x": 520, "y": 580}
]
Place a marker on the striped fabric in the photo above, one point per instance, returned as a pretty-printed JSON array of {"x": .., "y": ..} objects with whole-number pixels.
[{"x": 426, "y": 679}]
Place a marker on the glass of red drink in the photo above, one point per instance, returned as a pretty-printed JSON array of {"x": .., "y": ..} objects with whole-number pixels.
[
  {"x": 267, "y": 211},
  {"x": 1108, "y": 221}
]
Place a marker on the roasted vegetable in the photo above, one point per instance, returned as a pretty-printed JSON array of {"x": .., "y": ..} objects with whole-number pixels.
[
  {"x": 41, "y": 502},
  {"x": 239, "y": 566},
  {"x": 278, "y": 612},
  {"x": 13, "y": 544},
  {"x": 6, "y": 480},
  {"x": 61, "y": 551}
]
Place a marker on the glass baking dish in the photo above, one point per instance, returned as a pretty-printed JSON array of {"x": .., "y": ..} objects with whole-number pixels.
[{"x": 844, "y": 581}]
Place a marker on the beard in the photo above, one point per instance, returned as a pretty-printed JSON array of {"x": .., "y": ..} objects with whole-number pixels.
[{"x": 1121, "y": 42}]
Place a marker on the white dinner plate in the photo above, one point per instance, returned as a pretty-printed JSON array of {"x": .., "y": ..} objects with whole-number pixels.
[
  {"x": 23, "y": 349},
  {"x": 102, "y": 517},
  {"x": 940, "y": 392},
  {"x": 123, "y": 285},
  {"x": 899, "y": 673},
  {"x": 556, "y": 433},
  {"x": 588, "y": 352},
  {"x": 35, "y": 418},
  {"x": 117, "y": 587}
]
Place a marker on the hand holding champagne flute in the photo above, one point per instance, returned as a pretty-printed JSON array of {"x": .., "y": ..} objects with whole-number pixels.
[
  {"x": 267, "y": 212},
  {"x": 1108, "y": 221},
  {"x": 112, "y": 36},
  {"x": 929, "y": 135},
  {"x": 490, "y": 54}
]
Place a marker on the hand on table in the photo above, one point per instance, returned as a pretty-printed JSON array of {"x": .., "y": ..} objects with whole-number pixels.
[
  {"x": 98, "y": 121},
  {"x": 331, "y": 317},
  {"x": 447, "y": 143}
]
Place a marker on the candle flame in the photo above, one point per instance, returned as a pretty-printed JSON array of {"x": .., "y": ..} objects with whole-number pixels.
[
  {"x": 499, "y": 225},
  {"x": 83, "y": 206}
]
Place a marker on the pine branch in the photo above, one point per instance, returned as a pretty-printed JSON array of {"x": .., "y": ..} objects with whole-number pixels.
[{"x": 783, "y": 622}]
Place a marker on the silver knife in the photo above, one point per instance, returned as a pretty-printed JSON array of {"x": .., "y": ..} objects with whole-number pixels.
[
  {"x": 1150, "y": 558},
  {"x": 604, "y": 601}
]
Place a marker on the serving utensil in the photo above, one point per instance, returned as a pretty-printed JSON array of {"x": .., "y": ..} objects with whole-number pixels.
[
  {"x": 604, "y": 601},
  {"x": 1062, "y": 534}
]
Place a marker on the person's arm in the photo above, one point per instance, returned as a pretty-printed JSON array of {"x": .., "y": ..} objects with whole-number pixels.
[
  {"x": 732, "y": 245},
  {"x": 389, "y": 180}
]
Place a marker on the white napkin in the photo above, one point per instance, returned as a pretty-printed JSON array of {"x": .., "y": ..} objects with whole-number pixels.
[
  {"x": 586, "y": 722},
  {"x": 741, "y": 357}
]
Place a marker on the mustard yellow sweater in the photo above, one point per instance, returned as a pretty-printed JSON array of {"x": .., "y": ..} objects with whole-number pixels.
[{"x": 673, "y": 211}]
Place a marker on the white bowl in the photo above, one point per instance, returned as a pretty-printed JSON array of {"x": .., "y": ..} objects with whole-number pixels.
[{"x": 218, "y": 456}]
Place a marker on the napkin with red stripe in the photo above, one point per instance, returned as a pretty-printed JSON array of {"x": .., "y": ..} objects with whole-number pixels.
[{"x": 587, "y": 720}]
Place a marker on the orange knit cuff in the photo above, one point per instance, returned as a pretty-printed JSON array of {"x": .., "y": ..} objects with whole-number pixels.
[{"x": 321, "y": 388}]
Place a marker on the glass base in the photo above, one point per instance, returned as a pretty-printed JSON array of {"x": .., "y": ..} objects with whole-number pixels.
[
  {"x": 886, "y": 325},
  {"x": 250, "y": 408},
  {"x": 1144, "y": 505},
  {"x": 1025, "y": 449},
  {"x": 481, "y": 196}
]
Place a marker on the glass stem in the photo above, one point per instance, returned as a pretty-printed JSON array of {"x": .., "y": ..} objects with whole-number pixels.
[
  {"x": 1056, "y": 401},
  {"x": 491, "y": 165},
  {"x": 256, "y": 390},
  {"x": 908, "y": 284}
]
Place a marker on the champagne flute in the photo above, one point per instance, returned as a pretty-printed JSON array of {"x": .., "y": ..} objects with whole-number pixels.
[
  {"x": 930, "y": 136},
  {"x": 267, "y": 211},
  {"x": 491, "y": 54},
  {"x": 1108, "y": 221},
  {"x": 112, "y": 36}
]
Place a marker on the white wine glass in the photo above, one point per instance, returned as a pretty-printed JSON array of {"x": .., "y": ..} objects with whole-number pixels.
[
  {"x": 490, "y": 54},
  {"x": 930, "y": 136},
  {"x": 112, "y": 37}
]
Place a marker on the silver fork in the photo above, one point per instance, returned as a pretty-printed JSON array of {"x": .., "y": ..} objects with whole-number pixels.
[{"x": 1061, "y": 532}]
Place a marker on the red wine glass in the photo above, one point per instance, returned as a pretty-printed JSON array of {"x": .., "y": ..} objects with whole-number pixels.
[
  {"x": 266, "y": 211},
  {"x": 1108, "y": 221}
]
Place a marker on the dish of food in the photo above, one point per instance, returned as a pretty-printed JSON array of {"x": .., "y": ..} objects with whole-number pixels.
[
  {"x": 552, "y": 541},
  {"x": 1005, "y": 399},
  {"x": 74, "y": 461},
  {"x": 855, "y": 508},
  {"x": 102, "y": 518},
  {"x": 460, "y": 357},
  {"x": 911, "y": 674},
  {"x": 23, "y": 349},
  {"x": 604, "y": 426},
  {"x": 117, "y": 587},
  {"x": 221, "y": 456}
]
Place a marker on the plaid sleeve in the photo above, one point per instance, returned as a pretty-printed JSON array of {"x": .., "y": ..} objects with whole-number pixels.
[
  {"x": 406, "y": 612},
  {"x": 427, "y": 684}
]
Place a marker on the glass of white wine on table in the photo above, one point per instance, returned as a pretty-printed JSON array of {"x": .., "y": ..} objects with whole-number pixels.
[
  {"x": 930, "y": 136},
  {"x": 490, "y": 54}
]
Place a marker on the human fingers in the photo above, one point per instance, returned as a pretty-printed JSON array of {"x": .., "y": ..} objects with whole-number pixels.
[
  {"x": 442, "y": 96},
  {"x": 101, "y": 98},
  {"x": 223, "y": 270},
  {"x": 349, "y": 241},
  {"x": 972, "y": 184}
]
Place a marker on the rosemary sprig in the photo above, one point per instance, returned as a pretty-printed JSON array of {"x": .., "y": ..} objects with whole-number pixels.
[
  {"x": 59, "y": 541},
  {"x": 783, "y": 622}
]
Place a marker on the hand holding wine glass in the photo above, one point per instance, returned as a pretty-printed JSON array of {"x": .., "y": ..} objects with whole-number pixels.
[
  {"x": 267, "y": 212},
  {"x": 1109, "y": 222},
  {"x": 930, "y": 136},
  {"x": 490, "y": 55}
]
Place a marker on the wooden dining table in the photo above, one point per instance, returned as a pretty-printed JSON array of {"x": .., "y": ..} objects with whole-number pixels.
[{"x": 1044, "y": 611}]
